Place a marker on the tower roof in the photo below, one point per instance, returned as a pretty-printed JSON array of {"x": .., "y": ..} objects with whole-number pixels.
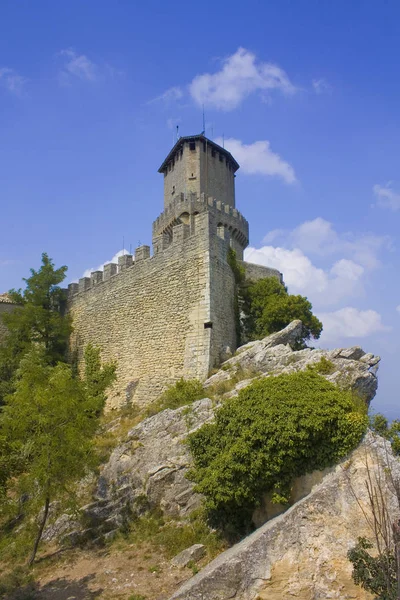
[{"x": 202, "y": 138}]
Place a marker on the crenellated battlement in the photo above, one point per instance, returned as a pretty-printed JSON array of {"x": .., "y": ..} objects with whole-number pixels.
[
  {"x": 110, "y": 270},
  {"x": 179, "y": 233},
  {"x": 184, "y": 207}
]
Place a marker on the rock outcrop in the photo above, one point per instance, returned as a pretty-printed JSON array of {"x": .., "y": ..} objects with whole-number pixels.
[
  {"x": 351, "y": 367},
  {"x": 302, "y": 554},
  {"x": 149, "y": 468}
]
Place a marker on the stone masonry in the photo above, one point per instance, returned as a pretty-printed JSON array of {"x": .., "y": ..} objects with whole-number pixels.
[{"x": 170, "y": 315}]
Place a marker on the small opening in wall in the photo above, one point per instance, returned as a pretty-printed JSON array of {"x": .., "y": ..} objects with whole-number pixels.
[
  {"x": 208, "y": 325},
  {"x": 212, "y": 152},
  {"x": 192, "y": 146},
  {"x": 221, "y": 158}
]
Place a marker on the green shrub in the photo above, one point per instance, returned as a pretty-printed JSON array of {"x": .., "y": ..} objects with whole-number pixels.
[
  {"x": 380, "y": 425},
  {"x": 174, "y": 536},
  {"x": 183, "y": 392},
  {"x": 276, "y": 429},
  {"x": 323, "y": 366}
]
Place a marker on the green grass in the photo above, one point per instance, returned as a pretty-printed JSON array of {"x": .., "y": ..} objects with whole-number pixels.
[
  {"x": 173, "y": 536},
  {"x": 182, "y": 393}
]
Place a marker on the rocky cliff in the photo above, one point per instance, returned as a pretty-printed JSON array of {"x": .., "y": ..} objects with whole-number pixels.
[{"x": 300, "y": 553}]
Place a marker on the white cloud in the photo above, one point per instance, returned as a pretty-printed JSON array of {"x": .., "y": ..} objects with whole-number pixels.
[
  {"x": 77, "y": 66},
  {"x": 12, "y": 81},
  {"x": 350, "y": 322},
  {"x": 323, "y": 287},
  {"x": 319, "y": 238},
  {"x": 398, "y": 308},
  {"x": 321, "y": 86},
  {"x": 171, "y": 95},
  {"x": 101, "y": 267},
  {"x": 258, "y": 158},
  {"x": 387, "y": 197},
  {"x": 241, "y": 75}
]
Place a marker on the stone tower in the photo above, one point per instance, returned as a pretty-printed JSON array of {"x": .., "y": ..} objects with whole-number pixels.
[
  {"x": 171, "y": 313},
  {"x": 199, "y": 176}
]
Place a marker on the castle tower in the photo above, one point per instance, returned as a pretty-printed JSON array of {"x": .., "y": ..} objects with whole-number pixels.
[
  {"x": 196, "y": 165},
  {"x": 199, "y": 176}
]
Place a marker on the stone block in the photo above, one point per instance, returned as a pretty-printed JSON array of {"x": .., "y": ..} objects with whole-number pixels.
[
  {"x": 110, "y": 269},
  {"x": 96, "y": 277},
  {"x": 84, "y": 284},
  {"x": 142, "y": 253},
  {"x": 73, "y": 289},
  {"x": 125, "y": 261},
  {"x": 192, "y": 554}
]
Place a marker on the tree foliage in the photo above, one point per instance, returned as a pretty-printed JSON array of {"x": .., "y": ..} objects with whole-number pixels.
[
  {"x": 380, "y": 425},
  {"x": 267, "y": 307},
  {"x": 275, "y": 430},
  {"x": 48, "y": 424},
  {"x": 38, "y": 320},
  {"x": 376, "y": 574}
]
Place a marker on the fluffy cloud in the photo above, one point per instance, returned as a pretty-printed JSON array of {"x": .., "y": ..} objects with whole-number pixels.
[
  {"x": 258, "y": 158},
  {"x": 346, "y": 259},
  {"x": 241, "y": 75},
  {"x": 349, "y": 322},
  {"x": 101, "y": 267},
  {"x": 398, "y": 308},
  {"x": 77, "y": 66},
  {"x": 387, "y": 197},
  {"x": 11, "y": 81},
  {"x": 323, "y": 287},
  {"x": 318, "y": 238}
]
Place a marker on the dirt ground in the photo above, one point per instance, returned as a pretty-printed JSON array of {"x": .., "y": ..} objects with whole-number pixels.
[{"x": 107, "y": 574}]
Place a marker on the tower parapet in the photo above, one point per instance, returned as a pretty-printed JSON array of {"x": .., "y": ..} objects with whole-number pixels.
[{"x": 183, "y": 209}]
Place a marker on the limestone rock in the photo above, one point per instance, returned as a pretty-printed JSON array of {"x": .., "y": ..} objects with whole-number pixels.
[
  {"x": 148, "y": 469},
  {"x": 192, "y": 554},
  {"x": 302, "y": 553},
  {"x": 352, "y": 367}
]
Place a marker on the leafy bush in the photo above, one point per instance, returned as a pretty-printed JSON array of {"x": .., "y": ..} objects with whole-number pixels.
[
  {"x": 267, "y": 307},
  {"x": 323, "y": 366},
  {"x": 185, "y": 391},
  {"x": 276, "y": 429},
  {"x": 377, "y": 574},
  {"x": 380, "y": 425}
]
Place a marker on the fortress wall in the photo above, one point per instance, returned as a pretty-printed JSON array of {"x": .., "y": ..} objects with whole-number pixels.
[
  {"x": 151, "y": 316},
  {"x": 256, "y": 272}
]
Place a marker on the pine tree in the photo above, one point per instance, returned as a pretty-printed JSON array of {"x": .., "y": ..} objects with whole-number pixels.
[
  {"x": 48, "y": 424},
  {"x": 39, "y": 319}
]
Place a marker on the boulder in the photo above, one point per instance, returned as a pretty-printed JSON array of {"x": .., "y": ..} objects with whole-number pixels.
[
  {"x": 192, "y": 554},
  {"x": 303, "y": 552},
  {"x": 149, "y": 468}
]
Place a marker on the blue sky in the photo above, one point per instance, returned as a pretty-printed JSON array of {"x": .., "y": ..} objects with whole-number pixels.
[{"x": 306, "y": 95}]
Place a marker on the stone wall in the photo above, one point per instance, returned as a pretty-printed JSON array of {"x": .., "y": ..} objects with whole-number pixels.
[
  {"x": 255, "y": 272},
  {"x": 163, "y": 317}
]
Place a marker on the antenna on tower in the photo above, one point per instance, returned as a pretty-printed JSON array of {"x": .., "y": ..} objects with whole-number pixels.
[
  {"x": 177, "y": 132},
  {"x": 204, "y": 121},
  {"x": 223, "y": 140},
  {"x": 123, "y": 245}
]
